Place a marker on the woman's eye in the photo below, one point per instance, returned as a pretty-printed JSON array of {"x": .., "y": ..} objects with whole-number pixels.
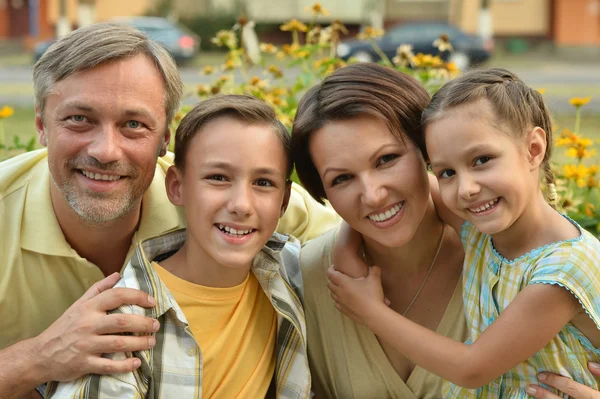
[
  {"x": 444, "y": 174},
  {"x": 264, "y": 183},
  {"x": 340, "y": 179},
  {"x": 133, "y": 124},
  {"x": 481, "y": 160},
  {"x": 386, "y": 158}
]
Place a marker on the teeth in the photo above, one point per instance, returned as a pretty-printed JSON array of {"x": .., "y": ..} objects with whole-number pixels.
[
  {"x": 231, "y": 231},
  {"x": 485, "y": 206},
  {"x": 98, "y": 176},
  {"x": 383, "y": 216}
]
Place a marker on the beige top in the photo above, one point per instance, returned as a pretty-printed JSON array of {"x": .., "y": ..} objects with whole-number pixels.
[{"x": 346, "y": 358}]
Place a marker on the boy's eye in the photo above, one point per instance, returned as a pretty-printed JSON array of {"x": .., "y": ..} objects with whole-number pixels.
[
  {"x": 386, "y": 158},
  {"x": 340, "y": 179},
  {"x": 217, "y": 178},
  {"x": 264, "y": 183},
  {"x": 446, "y": 173},
  {"x": 482, "y": 160}
]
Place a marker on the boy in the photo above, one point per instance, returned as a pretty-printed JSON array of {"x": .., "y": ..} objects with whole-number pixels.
[{"x": 228, "y": 290}]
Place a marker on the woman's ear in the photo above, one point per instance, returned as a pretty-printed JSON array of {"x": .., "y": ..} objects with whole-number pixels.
[
  {"x": 174, "y": 186},
  {"x": 536, "y": 147}
]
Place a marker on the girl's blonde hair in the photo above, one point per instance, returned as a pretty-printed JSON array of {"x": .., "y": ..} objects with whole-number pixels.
[{"x": 513, "y": 103}]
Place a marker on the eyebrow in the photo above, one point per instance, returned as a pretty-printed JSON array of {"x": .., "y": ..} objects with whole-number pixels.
[
  {"x": 231, "y": 167},
  {"x": 372, "y": 158},
  {"x": 468, "y": 153}
]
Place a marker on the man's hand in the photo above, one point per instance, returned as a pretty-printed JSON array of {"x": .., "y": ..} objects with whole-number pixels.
[
  {"x": 73, "y": 345},
  {"x": 566, "y": 385}
]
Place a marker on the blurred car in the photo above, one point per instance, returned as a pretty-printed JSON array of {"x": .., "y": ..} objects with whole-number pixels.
[
  {"x": 468, "y": 49},
  {"x": 181, "y": 43}
]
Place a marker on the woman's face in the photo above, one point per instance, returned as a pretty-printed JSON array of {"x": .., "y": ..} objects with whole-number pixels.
[{"x": 376, "y": 183}]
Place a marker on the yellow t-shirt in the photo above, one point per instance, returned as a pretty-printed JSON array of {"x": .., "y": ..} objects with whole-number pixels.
[{"x": 235, "y": 328}]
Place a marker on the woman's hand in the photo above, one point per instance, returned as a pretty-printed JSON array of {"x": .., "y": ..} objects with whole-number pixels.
[
  {"x": 357, "y": 298},
  {"x": 565, "y": 385}
]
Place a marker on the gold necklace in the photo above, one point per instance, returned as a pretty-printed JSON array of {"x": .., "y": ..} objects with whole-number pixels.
[{"x": 437, "y": 252}]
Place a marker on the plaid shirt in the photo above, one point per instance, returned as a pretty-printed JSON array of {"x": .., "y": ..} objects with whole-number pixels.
[{"x": 173, "y": 368}]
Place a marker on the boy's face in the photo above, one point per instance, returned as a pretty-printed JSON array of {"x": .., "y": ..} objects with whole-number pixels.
[{"x": 234, "y": 190}]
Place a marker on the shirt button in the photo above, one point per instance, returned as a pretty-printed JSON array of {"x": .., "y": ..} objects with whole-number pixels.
[{"x": 191, "y": 351}]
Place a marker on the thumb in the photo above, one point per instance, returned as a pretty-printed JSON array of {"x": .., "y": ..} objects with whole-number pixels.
[
  {"x": 375, "y": 273},
  {"x": 101, "y": 286},
  {"x": 594, "y": 368}
]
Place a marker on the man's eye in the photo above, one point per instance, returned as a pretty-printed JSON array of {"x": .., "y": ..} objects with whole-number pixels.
[
  {"x": 133, "y": 124},
  {"x": 77, "y": 118},
  {"x": 386, "y": 158},
  {"x": 340, "y": 179},
  {"x": 482, "y": 160},
  {"x": 447, "y": 173},
  {"x": 264, "y": 183}
]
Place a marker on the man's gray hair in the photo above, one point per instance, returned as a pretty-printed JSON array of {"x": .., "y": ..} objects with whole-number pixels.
[{"x": 88, "y": 47}]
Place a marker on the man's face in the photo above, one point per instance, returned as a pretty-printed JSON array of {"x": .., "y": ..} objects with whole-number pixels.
[{"x": 104, "y": 129}]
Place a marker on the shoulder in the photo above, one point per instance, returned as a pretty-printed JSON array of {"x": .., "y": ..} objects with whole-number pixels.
[
  {"x": 17, "y": 171},
  {"x": 315, "y": 257}
]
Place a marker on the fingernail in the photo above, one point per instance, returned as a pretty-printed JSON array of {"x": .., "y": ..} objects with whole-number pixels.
[
  {"x": 530, "y": 390},
  {"x": 151, "y": 300},
  {"x": 595, "y": 366},
  {"x": 137, "y": 363},
  {"x": 155, "y": 325},
  {"x": 542, "y": 376},
  {"x": 151, "y": 341}
]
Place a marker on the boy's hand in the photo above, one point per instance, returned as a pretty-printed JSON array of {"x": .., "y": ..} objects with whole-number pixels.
[
  {"x": 346, "y": 256},
  {"x": 357, "y": 298}
]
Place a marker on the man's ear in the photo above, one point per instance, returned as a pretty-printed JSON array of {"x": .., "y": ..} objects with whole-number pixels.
[
  {"x": 286, "y": 197},
  {"x": 165, "y": 144},
  {"x": 536, "y": 147},
  {"x": 41, "y": 129},
  {"x": 174, "y": 186}
]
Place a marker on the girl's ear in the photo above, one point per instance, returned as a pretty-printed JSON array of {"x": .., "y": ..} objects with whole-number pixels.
[
  {"x": 536, "y": 147},
  {"x": 174, "y": 186}
]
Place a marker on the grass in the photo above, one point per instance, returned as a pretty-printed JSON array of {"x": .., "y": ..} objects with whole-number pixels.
[{"x": 22, "y": 124}]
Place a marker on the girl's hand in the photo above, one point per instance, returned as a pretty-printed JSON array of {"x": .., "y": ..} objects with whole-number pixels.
[
  {"x": 357, "y": 298},
  {"x": 346, "y": 258},
  {"x": 565, "y": 385}
]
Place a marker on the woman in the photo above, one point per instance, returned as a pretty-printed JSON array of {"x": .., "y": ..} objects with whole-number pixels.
[{"x": 357, "y": 142}]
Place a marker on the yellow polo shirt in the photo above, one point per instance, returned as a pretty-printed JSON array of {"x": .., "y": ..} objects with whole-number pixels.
[{"x": 41, "y": 275}]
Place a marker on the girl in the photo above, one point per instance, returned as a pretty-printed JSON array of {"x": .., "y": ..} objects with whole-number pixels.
[{"x": 530, "y": 274}]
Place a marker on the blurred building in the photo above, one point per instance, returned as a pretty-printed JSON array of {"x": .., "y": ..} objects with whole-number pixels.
[{"x": 564, "y": 22}]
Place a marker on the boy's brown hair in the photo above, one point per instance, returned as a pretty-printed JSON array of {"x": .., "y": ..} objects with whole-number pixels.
[
  {"x": 514, "y": 104},
  {"x": 245, "y": 108},
  {"x": 353, "y": 91}
]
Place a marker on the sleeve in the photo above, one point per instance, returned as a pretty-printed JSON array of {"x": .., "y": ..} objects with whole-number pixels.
[
  {"x": 577, "y": 270},
  {"x": 305, "y": 218},
  {"x": 95, "y": 386}
]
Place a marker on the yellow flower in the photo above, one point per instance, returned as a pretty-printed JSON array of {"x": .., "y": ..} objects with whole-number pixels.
[
  {"x": 313, "y": 36},
  {"x": 567, "y": 138},
  {"x": 541, "y": 90},
  {"x": 285, "y": 119},
  {"x": 301, "y": 54},
  {"x": 6, "y": 111},
  {"x": 289, "y": 49},
  {"x": 442, "y": 43},
  {"x": 575, "y": 172},
  {"x": 293, "y": 25},
  {"x": 275, "y": 71},
  {"x": 589, "y": 209},
  {"x": 370, "y": 33},
  {"x": 579, "y": 102},
  {"x": 317, "y": 9},
  {"x": 259, "y": 83},
  {"x": 203, "y": 90},
  {"x": 222, "y": 80},
  {"x": 338, "y": 27},
  {"x": 229, "y": 65},
  {"x": 580, "y": 152},
  {"x": 451, "y": 67},
  {"x": 208, "y": 70},
  {"x": 268, "y": 48},
  {"x": 225, "y": 38},
  {"x": 593, "y": 169}
]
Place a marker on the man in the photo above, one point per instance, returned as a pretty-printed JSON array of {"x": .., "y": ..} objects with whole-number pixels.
[{"x": 71, "y": 215}]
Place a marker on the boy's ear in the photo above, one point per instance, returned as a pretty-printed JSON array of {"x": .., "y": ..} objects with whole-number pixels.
[
  {"x": 286, "y": 197},
  {"x": 174, "y": 186},
  {"x": 536, "y": 147},
  {"x": 41, "y": 129}
]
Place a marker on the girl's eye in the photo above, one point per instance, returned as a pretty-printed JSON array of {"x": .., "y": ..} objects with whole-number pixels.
[
  {"x": 264, "y": 183},
  {"x": 386, "y": 158},
  {"x": 340, "y": 179},
  {"x": 134, "y": 124},
  {"x": 482, "y": 160},
  {"x": 444, "y": 174}
]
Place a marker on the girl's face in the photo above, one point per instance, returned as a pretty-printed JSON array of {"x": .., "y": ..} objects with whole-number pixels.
[
  {"x": 376, "y": 183},
  {"x": 483, "y": 172}
]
